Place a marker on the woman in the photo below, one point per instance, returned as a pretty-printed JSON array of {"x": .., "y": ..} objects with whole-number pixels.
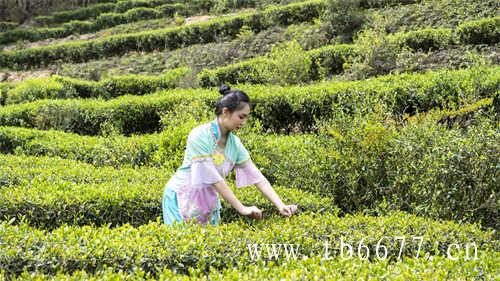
[{"x": 212, "y": 152}]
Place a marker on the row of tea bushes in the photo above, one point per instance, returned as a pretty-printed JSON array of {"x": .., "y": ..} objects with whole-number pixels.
[
  {"x": 435, "y": 13},
  {"x": 58, "y": 87},
  {"x": 19, "y": 171},
  {"x": 78, "y": 14},
  {"x": 327, "y": 60},
  {"x": 122, "y": 6},
  {"x": 94, "y": 11},
  {"x": 484, "y": 31},
  {"x": 153, "y": 247},
  {"x": 48, "y": 192},
  {"x": 169, "y": 38},
  {"x": 148, "y": 10},
  {"x": 277, "y": 108},
  {"x": 109, "y": 14},
  {"x": 314, "y": 268},
  {"x": 6, "y": 25},
  {"x": 101, "y": 22},
  {"x": 166, "y": 148},
  {"x": 116, "y": 151}
]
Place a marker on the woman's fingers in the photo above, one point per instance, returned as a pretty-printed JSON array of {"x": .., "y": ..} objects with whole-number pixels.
[
  {"x": 288, "y": 210},
  {"x": 255, "y": 213},
  {"x": 285, "y": 211},
  {"x": 258, "y": 213}
]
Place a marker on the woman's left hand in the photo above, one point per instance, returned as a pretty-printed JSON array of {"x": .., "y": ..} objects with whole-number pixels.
[{"x": 288, "y": 210}]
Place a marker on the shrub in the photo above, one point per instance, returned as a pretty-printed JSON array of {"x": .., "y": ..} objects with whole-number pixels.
[
  {"x": 4, "y": 26},
  {"x": 377, "y": 53},
  {"x": 345, "y": 18},
  {"x": 484, "y": 31},
  {"x": 288, "y": 64},
  {"x": 425, "y": 39},
  {"x": 38, "y": 88},
  {"x": 58, "y": 87}
]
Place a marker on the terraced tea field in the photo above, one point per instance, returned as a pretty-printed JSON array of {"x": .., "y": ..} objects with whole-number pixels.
[{"x": 379, "y": 119}]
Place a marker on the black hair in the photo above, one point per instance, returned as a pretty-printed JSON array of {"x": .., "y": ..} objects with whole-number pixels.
[{"x": 232, "y": 99}]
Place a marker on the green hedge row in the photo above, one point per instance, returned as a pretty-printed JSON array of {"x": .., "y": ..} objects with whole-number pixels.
[
  {"x": 313, "y": 268},
  {"x": 484, "y": 31},
  {"x": 48, "y": 192},
  {"x": 122, "y": 6},
  {"x": 153, "y": 247},
  {"x": 169, "y": 38},
  {"x": 384, "y": 3},
  {"x": 166, "y": 148},
  {"x": 79, "y": 14},
  {"x": 94, "y": 11},
  {"x": 316, "y": 268},
  {"x": 277, "y": 108},
  {"x": 6, "y": 25},
  {"x": 326, "y": 60},
  {"x": 136, "y": 14},
  {"x": 38, "y": 34},
  {"x": 102, "y": 21},
  {"x": 58, "y": 87},
  {"x": 161, "y": 150},
  {"x": 425, "y": 39},
  {"x": 116, "y": 151}
]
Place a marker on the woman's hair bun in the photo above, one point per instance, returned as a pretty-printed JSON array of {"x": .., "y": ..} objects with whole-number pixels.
[{"x": 224, "y": 89}]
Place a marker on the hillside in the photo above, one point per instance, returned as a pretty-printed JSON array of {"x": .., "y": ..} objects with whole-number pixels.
[{"x": 379, "y": 119}]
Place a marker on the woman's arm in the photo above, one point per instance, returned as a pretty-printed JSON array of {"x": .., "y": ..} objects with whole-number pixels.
[
  {"x": 266, "y": 189},
  {"x": 229, "y": 196}
]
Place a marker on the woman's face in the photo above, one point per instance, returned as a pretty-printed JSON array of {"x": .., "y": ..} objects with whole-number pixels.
[{"x": 236, "y": 119}]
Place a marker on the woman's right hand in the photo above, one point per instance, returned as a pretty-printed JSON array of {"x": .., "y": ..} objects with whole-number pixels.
[{"x": 252, "y": 212}]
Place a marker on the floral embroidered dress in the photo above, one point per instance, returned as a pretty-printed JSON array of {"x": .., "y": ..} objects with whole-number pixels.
[{"x": 189, "y": 193}]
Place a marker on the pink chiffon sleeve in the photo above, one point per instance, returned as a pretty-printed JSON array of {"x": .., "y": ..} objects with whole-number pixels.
[
  {"x": 247, "y": 174},
  {"x": 203, "y": 172}
]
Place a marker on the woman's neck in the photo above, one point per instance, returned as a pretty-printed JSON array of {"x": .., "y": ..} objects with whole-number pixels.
[{"x": 224, "y": 131}]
